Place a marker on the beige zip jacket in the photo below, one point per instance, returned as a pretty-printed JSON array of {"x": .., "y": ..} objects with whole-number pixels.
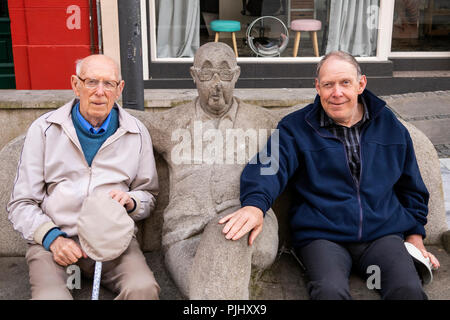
[{"x": 53, "y": 177}]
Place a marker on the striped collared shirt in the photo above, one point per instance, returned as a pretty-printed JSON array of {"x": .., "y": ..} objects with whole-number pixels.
[{"x": 350, "y": 137}]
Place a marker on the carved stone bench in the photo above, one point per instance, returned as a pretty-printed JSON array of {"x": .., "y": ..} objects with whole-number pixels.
[{"x": 284, "y": 280}]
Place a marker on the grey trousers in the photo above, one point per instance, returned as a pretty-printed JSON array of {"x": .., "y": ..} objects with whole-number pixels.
[
  {"x": 128, "y": 275},
  {"x": 328, "y": 266}
]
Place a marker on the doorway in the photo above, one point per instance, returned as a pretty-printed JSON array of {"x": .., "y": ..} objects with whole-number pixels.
[{"x": 7, "y": 78}]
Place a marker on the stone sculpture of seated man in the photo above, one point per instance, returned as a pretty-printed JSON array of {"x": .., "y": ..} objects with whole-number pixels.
[{"x": 206, "y": 143}]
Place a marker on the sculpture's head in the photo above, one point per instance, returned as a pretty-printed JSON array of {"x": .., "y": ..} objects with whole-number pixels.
[{"x": 215, "y": 72}]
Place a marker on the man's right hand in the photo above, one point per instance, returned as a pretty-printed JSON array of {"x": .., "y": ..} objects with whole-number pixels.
[{"x": 66, "y": 251}]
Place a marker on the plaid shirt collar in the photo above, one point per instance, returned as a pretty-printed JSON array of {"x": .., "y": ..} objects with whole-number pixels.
[{"x": 326, "y": 121}]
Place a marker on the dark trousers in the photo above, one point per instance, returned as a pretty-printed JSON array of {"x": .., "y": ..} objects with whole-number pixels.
[{"x": 328, "y": 266}]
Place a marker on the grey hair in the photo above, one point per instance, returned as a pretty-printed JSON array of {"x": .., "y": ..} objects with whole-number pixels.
[
  {"x": 79, "y": 64},
  {"x": 342, "y": 56}
]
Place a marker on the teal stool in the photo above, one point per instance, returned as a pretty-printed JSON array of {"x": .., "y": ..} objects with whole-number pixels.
[{"x": 226, "y": 26}]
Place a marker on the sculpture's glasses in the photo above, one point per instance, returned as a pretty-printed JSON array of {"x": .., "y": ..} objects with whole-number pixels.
[
  {"x": 206, "y": 74},
  {"x": 109, "y": 85}
]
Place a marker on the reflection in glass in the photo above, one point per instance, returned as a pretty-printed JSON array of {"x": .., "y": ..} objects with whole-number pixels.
[{"x": 421, "y": 25}]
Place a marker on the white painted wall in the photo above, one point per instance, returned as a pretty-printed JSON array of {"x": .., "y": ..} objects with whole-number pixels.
[
  {"x": 110, "y": 29},
  {"x": 110, "y": 32}
]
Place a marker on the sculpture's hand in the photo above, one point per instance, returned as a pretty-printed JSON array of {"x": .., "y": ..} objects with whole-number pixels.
[{"x": 239, "y": 223}]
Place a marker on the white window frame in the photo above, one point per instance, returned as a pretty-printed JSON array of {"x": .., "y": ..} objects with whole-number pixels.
[
  {"x": 385, "y": 24},
  {"x": 144, "y": 39}
]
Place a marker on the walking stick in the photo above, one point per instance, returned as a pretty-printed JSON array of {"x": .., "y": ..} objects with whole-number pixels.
[{"x": 97, "y": 278}]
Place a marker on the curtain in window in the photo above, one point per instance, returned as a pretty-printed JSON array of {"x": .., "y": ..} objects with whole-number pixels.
[
  {"x": 353, "y": 27},
  {"x": 178, "y": 28}
]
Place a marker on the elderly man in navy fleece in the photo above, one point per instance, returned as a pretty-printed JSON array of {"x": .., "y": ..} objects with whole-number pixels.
[{"x": 358, "y": 193}]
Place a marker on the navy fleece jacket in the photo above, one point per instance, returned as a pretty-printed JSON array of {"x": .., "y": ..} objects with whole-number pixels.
[{"x": 390, "y": 198}]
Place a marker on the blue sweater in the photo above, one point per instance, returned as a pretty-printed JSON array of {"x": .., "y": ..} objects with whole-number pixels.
[
  {"x": 390, "y": 198},
  {"x": 90, "y": 141}
]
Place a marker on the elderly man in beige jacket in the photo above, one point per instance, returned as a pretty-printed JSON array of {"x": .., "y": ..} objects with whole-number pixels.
[{"x": 88, "y": 146}]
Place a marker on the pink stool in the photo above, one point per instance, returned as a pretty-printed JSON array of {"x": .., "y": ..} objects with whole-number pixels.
[{"x": 310, "y": 25}]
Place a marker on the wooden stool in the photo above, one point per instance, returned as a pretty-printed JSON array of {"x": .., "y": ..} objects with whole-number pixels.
[
  {"x": 226, "y": 26},
  {"x": 310, "y": 25}
]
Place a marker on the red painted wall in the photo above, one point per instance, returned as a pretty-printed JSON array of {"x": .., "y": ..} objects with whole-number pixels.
[{"x": 48, "y": 36}]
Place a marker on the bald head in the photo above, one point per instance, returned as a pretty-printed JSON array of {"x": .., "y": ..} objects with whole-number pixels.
[
  {"x": 217, "y": 51},
  {"x": 97, "y": 85},
  {"x": 84, "y": 64}
]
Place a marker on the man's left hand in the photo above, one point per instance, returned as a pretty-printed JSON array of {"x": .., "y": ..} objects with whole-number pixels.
[
  {"x": 123, "y": 198},
  {"x": 417, "y": 241},
  {"x": 245, "y": 220}
]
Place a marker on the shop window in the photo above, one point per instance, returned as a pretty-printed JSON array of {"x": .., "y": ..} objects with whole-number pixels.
[
  {"x": 183, "y": 26},
  {"x": 421, "y": 25}
]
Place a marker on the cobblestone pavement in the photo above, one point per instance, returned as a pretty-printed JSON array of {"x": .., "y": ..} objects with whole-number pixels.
[
  {"x": 428, "y": 111},
  {"x": 443, "y": 150}
]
